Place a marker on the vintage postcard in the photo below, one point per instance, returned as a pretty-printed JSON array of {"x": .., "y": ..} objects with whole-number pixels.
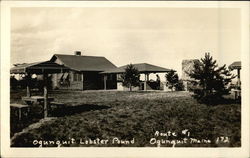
[{"x": 124, "y": 79}]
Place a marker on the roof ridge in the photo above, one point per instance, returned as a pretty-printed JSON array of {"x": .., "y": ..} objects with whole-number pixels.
[
  {"x": 79, "y": 55},
  {"x": 84, "y": 63},
  {"x": 139, "y": 63}
]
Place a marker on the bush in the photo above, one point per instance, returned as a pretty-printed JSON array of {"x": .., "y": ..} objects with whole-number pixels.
[{"x": 179, "y": 86}]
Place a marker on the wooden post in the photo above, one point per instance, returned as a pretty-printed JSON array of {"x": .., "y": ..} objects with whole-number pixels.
[
  {"x": 145, "y": 82},
  {"x": 238, "y": 77},
  {"x": 45, "y": 93},
  {"x": 28, "y": 79},
  {"x": 81, "y": 80},
  {"x": 20, "y": 114},
  {"x": 105, "y": 81}
]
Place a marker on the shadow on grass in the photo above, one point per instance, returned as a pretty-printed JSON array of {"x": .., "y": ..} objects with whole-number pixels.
[
  {"x": 71, "y": 110},
  {"x": 230, "y": 101},
  {"x": 212, "y": 101}
]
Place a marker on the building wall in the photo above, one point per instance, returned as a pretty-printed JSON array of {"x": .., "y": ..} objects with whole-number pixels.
[
  {"x": 141, "y": 87},
  {"x": 82, "y": 81},
  {"x": 120, "y": 87},
  {"x": 59, "y": 81},
  {"x": 54, "y": 81},
  {"x": 76, "y": 80}
]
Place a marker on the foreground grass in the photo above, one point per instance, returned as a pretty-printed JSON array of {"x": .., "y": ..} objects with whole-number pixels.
[{"x": 135, "y": 116}]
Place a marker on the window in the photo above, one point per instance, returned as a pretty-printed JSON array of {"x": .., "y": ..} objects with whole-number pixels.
[
  {"x": 119, "y": 78},
  {"x": 74, "y": 76},
  {"x": 77, "y": 76}
]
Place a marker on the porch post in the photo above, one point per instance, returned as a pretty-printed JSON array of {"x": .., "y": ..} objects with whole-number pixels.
[
  {"x": 28, "y": 79},
  {"x": 105, "y": 81},
  {"x": 45, "y": 78},
  {"x": 238, "y": 77},
  {"x": 145, "y": 82}
]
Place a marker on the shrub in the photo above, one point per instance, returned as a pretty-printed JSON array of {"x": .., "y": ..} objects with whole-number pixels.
[{"x": 179, "y": 86}]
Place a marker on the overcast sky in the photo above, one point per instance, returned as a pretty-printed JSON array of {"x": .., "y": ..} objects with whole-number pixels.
[{"x": 160, "y": 36}]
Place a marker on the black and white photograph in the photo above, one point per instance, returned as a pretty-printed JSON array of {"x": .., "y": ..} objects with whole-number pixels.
[{"x": 127, "y": 77}]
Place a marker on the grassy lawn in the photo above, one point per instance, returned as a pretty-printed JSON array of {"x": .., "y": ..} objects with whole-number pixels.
[{"x": 105, "y": 118}]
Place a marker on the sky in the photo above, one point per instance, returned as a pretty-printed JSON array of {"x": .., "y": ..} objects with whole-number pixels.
[{"x": 159, "y": 36}]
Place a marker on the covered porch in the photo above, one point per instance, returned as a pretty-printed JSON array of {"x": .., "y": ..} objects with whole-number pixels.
[
  {"x": 145, "y": 70},
  {"x": 237, "y": 88},
  {"x": 39, "y": 68}
]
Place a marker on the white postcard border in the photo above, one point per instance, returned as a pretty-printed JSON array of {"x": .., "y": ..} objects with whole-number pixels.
[{"x": 6, "y": 151}]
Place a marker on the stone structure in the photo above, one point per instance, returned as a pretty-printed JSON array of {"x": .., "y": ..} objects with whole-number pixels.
[{"x": 187, "y": 67}]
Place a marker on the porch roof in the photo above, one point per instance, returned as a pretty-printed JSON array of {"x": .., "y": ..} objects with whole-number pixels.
[
  {"x": 38, "y": 68},
  {"x": 235, "y": 65},
  {"x": 142, "y": 68}
]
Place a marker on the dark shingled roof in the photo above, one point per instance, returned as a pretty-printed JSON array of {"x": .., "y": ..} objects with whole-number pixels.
[
  {"x": 142, "y": 67},
  {"x": 38, "y": 68},
  {"x": 84, "y": 63},
  {"x": 235, "y": 65}
]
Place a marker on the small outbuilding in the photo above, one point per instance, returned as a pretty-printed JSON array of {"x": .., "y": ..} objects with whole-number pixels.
[{"x": 143, "y": 68}]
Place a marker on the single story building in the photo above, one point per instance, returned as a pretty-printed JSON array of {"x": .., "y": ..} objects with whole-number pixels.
[{"x": 84, "y": 72}]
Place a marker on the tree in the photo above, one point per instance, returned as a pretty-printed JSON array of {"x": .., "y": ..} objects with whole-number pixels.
[
  {"x": 131, "y": 77},
  {"x": 172, "y": 79},
  {"x": 210, "y": 79},
  {"x": 179, "y": 86}
]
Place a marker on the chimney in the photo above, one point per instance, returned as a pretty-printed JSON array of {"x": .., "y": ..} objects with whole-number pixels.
[{"x": 78, "y": 53}]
